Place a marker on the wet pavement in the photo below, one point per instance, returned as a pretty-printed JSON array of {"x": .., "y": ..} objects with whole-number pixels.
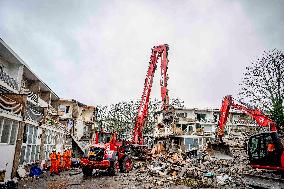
[{"x": 75, "y": 179}]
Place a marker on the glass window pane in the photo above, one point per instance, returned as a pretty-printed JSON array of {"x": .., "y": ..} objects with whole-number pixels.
[
  {"x": 30, "y": 135},
  {"x": 22, "y": 158},
  {"x": 35, "y": 135},
  {"x": 25, "y": 136},
  {"x": 33, "y": 154},
  {"x": 27, "y": 160},
  {"x": 14, "y": 132},
  {"x": 37, "y": 152},
  {"x": 6, "y": 131}
]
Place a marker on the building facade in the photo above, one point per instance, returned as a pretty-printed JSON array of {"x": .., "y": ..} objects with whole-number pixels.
[
  {"x": 80, "y": 121},
  {"x": 29, "y": 125},
  {"x": 194, "y": 121}
]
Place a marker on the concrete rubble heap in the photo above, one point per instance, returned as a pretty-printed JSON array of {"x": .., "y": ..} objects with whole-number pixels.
[{"x": 175, "y": 168}]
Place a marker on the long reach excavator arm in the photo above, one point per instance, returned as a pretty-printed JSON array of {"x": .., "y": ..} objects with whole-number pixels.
[{"x": 161, "y": 52}]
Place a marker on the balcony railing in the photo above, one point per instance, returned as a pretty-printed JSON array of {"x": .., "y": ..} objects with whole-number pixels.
[
  {"x": 8, "y": 80},
  {"x": 33, "y": 113},
  {"x": 30, "y": 94}
]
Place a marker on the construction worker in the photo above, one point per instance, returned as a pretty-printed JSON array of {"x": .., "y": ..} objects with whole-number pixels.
[
  {"x": 65, "y": 160},
  {"x": 53, "y": 161},
  {"x": 58, "y": 161},
  {"x": 69, "y": 158}
]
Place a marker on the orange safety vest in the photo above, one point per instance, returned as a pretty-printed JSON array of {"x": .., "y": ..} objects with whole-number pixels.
[
  {"x": 58, "y": 157},
  {"x": 53, "y": 156},
  {"x": 69, "y": 152}
]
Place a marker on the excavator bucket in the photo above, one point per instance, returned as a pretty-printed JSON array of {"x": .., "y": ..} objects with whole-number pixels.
[{"x": 219, "y": 150}]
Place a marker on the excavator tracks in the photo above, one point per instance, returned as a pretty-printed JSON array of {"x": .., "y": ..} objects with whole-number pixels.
[{"x": 267, "y": 180}]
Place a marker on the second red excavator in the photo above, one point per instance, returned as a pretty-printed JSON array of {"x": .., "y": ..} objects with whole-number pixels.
[{"x": 265, "y": 149}]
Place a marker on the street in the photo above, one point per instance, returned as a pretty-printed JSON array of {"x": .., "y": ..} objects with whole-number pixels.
[{"x": 75, "y": 179}]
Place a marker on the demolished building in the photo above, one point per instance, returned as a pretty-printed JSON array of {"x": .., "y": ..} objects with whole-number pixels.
[{"x": 188, "y": 123}]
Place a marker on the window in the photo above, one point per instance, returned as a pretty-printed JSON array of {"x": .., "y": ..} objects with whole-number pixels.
[
  {"x": 14, "y": 132},
  {"x": 37, "y": 152},
  {"x": 6, "y": 131},
  {"x": 191, "y": 143},
  {"x": 215, "y": 117},
  {"x": 190, "y": 128},
  {"x": 30, "y": 134},
  {"x": 184, "y": 127},
  {"x": 197, "y": 126},
  {"x": 35, "y": 135},
  {"x": 33, "y": 147},
  {"x": 62, "y": 108},
  {"x": 52, "y": 138},
  {"x": 22, "y": 158},
  {"x": 25, "y": 134},
  {"x": 67, "y": 109},
  {"x": 30, "y": 148},
  {"x": 182, "y": 114},
  {"x": 27, "y": 159},
  {"x": 201, "y": 117}
]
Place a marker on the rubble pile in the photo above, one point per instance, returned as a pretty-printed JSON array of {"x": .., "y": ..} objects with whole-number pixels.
[{"x": 203, "y": 170}]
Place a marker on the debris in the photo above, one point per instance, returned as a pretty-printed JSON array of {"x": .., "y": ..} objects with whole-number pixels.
[
  {"x": 209, "y": 174},
  {"x": 222, "y": 179},
  {"x": 21, "y": 171}
]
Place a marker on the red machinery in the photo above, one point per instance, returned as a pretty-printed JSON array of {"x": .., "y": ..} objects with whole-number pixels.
[
  {"x": 265, "y": 149},
  {"x": 107, "y": 154},
  {"x": 161, "y": 52},
  {"x": 256, "y": 114},
  {"x": 110, "y": 154}
]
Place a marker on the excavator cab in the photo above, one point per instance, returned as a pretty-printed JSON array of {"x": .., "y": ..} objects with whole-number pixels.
[{"x": 265, "y": 151}]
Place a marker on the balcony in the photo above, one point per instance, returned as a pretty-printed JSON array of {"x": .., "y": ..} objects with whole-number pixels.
[
  {"x": 9, "y": 105},
  {"x": 8, "y": 80},
  {"x": 33, "y": 113},
  {"x": 30, "y": 94}
]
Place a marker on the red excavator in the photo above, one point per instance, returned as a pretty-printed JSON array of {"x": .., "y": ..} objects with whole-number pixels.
[
  {"x": 265, "y": 149},
  {"x": 110, "y": 154}
]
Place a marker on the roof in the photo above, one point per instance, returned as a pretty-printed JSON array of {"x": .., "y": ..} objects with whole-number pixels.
[
  {"x": 84, "y": 106},
  {"x": 8, "y": 54}
]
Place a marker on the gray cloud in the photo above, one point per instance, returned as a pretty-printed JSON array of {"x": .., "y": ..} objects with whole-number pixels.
[{"x": 98, "y": 51}]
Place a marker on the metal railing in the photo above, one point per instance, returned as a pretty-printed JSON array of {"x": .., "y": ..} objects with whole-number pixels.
[
  {"x": 33, "y": 113},
  {"x": 8, "y": 80}
]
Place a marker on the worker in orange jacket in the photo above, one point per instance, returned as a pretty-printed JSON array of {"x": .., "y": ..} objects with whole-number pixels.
[
  {"x": 58, "y": 161},
  {"x": 69, "y": 155},
  {"x": 53, "y": 160},
  {"x": 65, "y": 160}
]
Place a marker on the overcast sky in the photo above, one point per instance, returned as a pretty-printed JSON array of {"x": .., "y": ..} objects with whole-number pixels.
[{"x": 98, "y": 51}]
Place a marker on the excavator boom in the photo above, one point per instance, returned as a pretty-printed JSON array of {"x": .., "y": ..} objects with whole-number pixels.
[
  {"x": 256, "y": 114},
  {"x": 161, "y": 52}
]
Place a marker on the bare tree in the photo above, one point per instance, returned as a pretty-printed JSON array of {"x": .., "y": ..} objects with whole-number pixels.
[
  {"x": 263, "y": 85},
  {"x": 120, "y": 117}
]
